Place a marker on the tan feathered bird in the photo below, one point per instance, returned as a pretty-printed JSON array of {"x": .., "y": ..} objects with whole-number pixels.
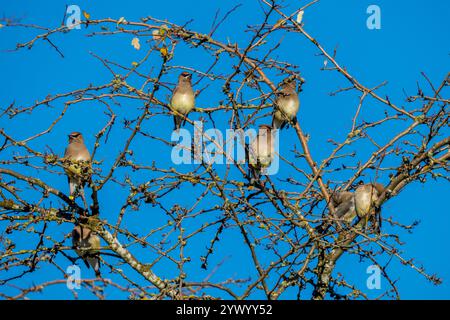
[
  {"x": 78, "y": 169},
  {"x": 261, "y": 151},
  {"x": 345, "y": 206},
  {"x": 344, "y": 203},
  {"x": 183, "y": 99},
  {"x": 365, "y": 197},
  {"x": 87, "y": 245},
  {"x": 360, "y": 203},
  {"x": 286, "y": 105}
]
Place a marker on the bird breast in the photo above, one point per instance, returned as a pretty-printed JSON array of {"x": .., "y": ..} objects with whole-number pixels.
[
  {"x": 183, "y": 102},
  {"x": 88, "y": 246},
  {"x": 94, "y": 242},
  {"x": 289, "y": 105},
  {"x": 261, "y": 150},
  {"x": 77, "y": 152},
  {"x": 264, "y": 150},
  {"x": 363, "y": 202}
]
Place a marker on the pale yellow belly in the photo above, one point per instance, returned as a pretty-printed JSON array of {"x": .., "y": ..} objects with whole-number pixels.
[{"x": 182, "y": 103}]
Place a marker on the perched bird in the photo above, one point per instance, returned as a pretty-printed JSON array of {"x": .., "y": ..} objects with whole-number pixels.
[
  {"x": 286, "y": 105},
  {"x": 87, "y": 245},
  {"x": 79, "y": 169},
  {"x": 360, "y": 203},
  {"x": 344, "y": 203},
  {"x": 262, "y": 150},
  {"x": 183, "y": 99},
  {"x": 365, "y": 197},
  {"x": 345, "y": 206}
]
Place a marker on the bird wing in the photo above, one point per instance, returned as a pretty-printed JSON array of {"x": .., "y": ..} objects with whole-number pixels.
[
  {"x": 340, "y": 197},
  {"x": 344, "y": 207}
]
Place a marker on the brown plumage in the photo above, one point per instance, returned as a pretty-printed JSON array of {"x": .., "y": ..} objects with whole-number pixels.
[
  {"x": 261, "y": 151},
  {"x": 87, "y": 245},
  {"x": 78, "y": 165},
  {"x": 360, "y": 203},
  {"x": 286, "y": 105},
  {"x": 344, "y": 203},
  {"x": 183, "y": 99},
  {"x": 365, "y": 197}
]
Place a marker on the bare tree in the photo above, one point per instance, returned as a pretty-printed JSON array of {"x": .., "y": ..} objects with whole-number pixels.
[{"x": 287, "y": 223}]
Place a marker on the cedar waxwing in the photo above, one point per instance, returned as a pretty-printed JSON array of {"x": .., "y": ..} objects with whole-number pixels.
[
  {"x": 261, "y": 151},
  {"x": 79, "y": 169},
  {"x": 359, "y": 203},
  {"x": 344, "y": 203},
  {"x": 345, "y": 206},
  {"x": 286, "y": 104},
  {"x": 87, "y": 245},
  {"x": 183, "y": 99},
  {"x": 365, "y": 197}
]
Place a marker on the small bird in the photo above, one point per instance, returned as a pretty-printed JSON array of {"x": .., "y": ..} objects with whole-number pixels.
[
  {"x": 365, "y": 197},
  {"x": 79, "y": 169},
  {"x": 286, "y": 105},
  {"x": 262, "y": 150},
  {"x": 344, "y": 203},
  {"x": 345, "y": 206},
  {"x": 183, "y": 99},
  {"x": 359, "y": 203},
  {"x": 87, "y": 245}
]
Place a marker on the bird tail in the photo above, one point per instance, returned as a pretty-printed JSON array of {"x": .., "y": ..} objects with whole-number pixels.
[
  {"x": 277, "y": 123},
  {"x": 80, "y": 254},
  {"x": 94, "y": 261},
  {"x": 178, "y": 121}
]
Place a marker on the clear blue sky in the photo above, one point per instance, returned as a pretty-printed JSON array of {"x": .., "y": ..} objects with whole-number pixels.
[{"x": 414, "y": 37}]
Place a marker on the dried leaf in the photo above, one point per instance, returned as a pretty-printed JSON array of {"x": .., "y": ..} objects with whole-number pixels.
[
  {"x": 121, "y": 20},
  {"x": 135, "y": 43},
  {"x": 134, "y": 64},
  {"x": 86, "y": 15},
  {"x": 300, "y": 16},
  {"x": 164, "y": 52}
]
